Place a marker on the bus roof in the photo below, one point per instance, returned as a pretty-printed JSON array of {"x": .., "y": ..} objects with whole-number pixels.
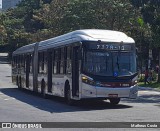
[{"x": 75, "y": 36}]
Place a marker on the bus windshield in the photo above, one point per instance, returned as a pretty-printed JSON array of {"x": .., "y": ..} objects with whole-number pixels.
[{"x": 109, "y": 63}]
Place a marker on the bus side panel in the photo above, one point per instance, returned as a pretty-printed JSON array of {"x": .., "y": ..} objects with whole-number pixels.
[
  {"x": 88, "y": 91},
  {"x": 58, "y": 84},
  {"x": 40, "y": 78}
]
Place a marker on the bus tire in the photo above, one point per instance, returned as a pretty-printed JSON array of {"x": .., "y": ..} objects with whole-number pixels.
[
  {"x": 114, "y": 101},
  {"x": 20, "y": 83},
  {"x": 68, "y": 95},
  {"x": 17, "y": 82},
  {"x": 43, "y": 90}
]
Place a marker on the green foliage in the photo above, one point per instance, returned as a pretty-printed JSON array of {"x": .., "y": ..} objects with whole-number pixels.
[
  {"x": 17, "y": 25},
  {"x": 30, "y": 4},
  {"x": 141, "y": 22},
  {"x": 141, "y": 78},
  {"x": 154, "y": 84},
  {"x": 150, "y": 10},
  {"x": 36, "y": 20},
  {"x": 103, "y": 14}
]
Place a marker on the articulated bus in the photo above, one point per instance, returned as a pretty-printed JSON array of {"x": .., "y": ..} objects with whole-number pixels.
[{"x": 83, "y": 64}]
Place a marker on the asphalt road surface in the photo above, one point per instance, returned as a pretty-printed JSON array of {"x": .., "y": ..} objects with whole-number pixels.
[{"x": 23, "y": 106}]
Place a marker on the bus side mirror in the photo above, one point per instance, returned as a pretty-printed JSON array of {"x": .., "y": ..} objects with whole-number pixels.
[{"x": 137, "y": 50}]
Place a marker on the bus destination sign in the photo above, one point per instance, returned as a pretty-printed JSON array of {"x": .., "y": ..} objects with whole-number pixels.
[{"x": 110, "y": 46}]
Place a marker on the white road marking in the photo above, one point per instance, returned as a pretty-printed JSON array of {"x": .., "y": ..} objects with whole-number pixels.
[{"x": 10, "y": 98}]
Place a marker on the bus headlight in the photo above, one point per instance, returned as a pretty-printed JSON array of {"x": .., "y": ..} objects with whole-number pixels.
[
  {"x": 88, "y": 80},
  {"x": 133, "y": 83}
]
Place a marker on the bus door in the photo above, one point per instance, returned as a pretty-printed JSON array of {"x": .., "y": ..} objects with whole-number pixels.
[
  {"x": 49, "y": 77},
  {"x": 27, "y": 70},
  {"x": 75, "y": 71}
]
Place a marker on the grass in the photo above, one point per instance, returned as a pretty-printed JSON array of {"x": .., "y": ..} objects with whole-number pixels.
[{"x": 154, "y": 84}]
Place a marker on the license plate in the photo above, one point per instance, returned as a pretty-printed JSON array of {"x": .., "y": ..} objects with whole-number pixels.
[{"x": 113, "y": 95}]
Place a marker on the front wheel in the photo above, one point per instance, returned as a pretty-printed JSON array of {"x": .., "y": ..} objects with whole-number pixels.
[
  {"x": 68, "y": 97},
  {"x": 19, "y": 83},
  {"x": 114, "y": 101},
  {"x": 43, "y": 89}
]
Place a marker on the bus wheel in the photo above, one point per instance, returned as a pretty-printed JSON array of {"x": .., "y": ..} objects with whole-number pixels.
[
  {"x": 43, "y": 90},
  {"x": 68, "y": 96},
  {"x": 114, "y": 101},
  {"x": 20, "y": 83},
  {"x": 17, "y": 83}
]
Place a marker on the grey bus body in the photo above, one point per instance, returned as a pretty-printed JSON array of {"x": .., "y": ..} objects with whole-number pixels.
[{"x": 79, "y": 65}]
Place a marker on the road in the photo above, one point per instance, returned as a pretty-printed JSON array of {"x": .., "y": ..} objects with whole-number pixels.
[{"x": 23, "y": 106}]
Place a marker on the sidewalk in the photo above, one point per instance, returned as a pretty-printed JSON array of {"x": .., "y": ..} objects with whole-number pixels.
[{"x": 148, "y": 88}]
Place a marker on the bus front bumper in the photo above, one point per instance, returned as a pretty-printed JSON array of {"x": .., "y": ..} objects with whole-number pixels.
[{"x": 105, "y": 92}]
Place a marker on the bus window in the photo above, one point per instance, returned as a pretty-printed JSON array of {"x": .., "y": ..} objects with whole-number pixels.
[
  {"x": 38, "y": 62},
  {"x": 53, "y": 62},
  {"x": 62, "y": 61},
  {"x": 58, "y": 61},
  {"x": 69, "y": 51},
  {"x": 19, "y": 61},
  {"x": 31, "y": 61},
  {"x": 16, "y": 61},
  {"x": 45, "y": 62},
  {"x": 65, "y": 60},
  {"x": 42, "y": 61},
  {"x": 22, "y": 60},
  {"x": 24, "y": 63},
  {"x": 56, "y": 69}
]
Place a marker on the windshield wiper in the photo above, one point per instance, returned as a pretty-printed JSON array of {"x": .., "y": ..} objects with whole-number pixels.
[
  {"x": 117, "y": 63},
  {"x": 106, "y": 64},
  {"x": 131, "y": 75}
]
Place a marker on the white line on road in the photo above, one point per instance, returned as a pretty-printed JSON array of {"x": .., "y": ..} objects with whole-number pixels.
[{"x": 6, "y": 99}]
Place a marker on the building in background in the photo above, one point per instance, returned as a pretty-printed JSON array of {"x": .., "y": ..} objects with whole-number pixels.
[
  {"x": 6, "y": 4},
  {"x": 0, "y": 4}
]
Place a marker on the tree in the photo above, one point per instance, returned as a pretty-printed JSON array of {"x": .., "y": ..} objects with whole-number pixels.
[
  {"x": 19, "y": 25},
  {"x": 53, "y": 16},
  {"x": 42, "y": 19},
  {"x": 3, "y": 33},
  {"x": 150, "y": 10},
  {"x": 68, "y": 15},
  {"x": 12, "y": 30},
  {"x": 102, "y": 14},
  {"x": 26, "y": 10}
]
